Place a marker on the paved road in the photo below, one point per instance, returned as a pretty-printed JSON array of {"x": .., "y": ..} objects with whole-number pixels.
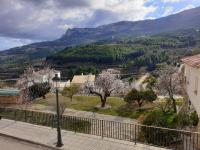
[{"x": 12, "y": 144}]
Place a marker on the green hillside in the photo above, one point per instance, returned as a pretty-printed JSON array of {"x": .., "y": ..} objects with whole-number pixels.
[{"x": 132, "y": 53}]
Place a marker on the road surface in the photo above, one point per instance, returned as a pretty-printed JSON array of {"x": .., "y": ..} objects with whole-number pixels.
[{"x": 12, "y": 144}]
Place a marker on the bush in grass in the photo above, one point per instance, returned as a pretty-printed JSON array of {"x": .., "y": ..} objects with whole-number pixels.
[
  {"x": 39, "y": 90},
  {"x": 71, "y": 91},
  {"x": 194, "y": 118},
  {"x": 158, "y": 118},
  {"x": 140, "y": 96},
  {"x": 187, "y": 119}
]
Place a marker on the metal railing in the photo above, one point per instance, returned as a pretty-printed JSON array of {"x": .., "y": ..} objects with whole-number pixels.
[{"x": 137, "y": 133}]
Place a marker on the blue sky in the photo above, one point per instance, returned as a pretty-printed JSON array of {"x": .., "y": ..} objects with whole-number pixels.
[
  {"x": 167, "y": 7},
  {"x": 28, "y": 21}
]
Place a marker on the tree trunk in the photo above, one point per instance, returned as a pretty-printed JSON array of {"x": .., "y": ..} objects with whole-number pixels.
[
  {"x": 103, "y": 98},
  {"x": 140, "y": 102},
  {"x": 174, "y": 104},
  {"x": 71, "y": 98},
  {"x": 103, "y": 103}
]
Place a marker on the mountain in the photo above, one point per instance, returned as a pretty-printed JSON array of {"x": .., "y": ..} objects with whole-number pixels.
[
  {"x": 131, "y": 54},
  {"x": 188, "y": 19},
  {"x": 183, "y": 20}
]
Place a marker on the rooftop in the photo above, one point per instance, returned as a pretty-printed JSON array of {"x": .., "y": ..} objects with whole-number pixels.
[
  {"x": 46, "y": 71},
  {"x": 80, "y": 79},
  {"x": 193, "y": 61}
]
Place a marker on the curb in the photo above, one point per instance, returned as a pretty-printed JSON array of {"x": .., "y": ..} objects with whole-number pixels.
[{"x": 31, "y": 142}]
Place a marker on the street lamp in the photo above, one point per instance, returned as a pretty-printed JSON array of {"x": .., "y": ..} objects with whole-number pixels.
[{"x": 56, "y": 79}]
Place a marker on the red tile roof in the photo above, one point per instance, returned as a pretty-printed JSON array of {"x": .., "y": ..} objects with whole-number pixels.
[{"x": 193, "y": 61}]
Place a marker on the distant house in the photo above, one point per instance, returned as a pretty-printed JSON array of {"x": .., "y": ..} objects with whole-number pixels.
[
  {"x": 81, "y": 79},
  {"x": 9, "y": 96},
  {"x": 191, "y": 70},
  {"x": 42, "y": 76},
  {"x": 62, "y": 84}
]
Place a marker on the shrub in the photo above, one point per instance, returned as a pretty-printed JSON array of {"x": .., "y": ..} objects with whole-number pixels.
[
  {"x": 140, "y": 96},
  {"x": 71, "y": 91},
  {"x": 39, "y": 90},
  {"x": 158, "y": 118},
  {"x": 194, "y": 118}
]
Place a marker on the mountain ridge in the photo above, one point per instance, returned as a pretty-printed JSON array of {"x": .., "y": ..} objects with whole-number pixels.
[{"x": 78, "y": 36}]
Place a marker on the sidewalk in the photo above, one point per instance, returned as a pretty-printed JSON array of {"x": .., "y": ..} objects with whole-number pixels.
[{"x": 72, "y": 141}]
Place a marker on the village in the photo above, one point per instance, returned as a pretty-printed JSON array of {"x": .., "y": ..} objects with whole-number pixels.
[
  {"x": 106, "y": 96},
  {"x": 100, "y": 75}
]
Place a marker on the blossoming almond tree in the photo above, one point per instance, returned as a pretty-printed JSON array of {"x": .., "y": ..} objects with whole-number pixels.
[
  {"x": 107, "y": 83},
  {"x": 169, "y": 84}
]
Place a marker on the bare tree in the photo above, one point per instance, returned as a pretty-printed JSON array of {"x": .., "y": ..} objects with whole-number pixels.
[
  {"x": 23, "y": 86},
  {"x": 107, "y": 83},
  {"x": 47, "y": 68},
  {"x": 169, "y": 84}
]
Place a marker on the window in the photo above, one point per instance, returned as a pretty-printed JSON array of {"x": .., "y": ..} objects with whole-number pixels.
[{"x": 196, "y": 85}]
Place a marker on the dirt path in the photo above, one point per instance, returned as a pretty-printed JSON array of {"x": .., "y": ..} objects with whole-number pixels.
[{"x": 140, "y": 81}]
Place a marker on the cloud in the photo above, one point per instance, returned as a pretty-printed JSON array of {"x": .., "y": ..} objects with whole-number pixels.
[
  {"x": 7, "y": 42},
  {"x": 168, "y": 10},
  {"x": 171, "y": 1},
  {"x": 65, "y": 26},
  {"x": 48, "y": 19}
]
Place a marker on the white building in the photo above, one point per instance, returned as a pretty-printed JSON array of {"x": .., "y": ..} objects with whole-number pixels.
[
  {"x": 61, "y": 84},
  {"x": 191, "y": 70},
  {"x": 42, "y": 76}
]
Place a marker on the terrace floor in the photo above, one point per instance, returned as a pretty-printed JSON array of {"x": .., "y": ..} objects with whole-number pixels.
[{"x": 72, "y": 141}]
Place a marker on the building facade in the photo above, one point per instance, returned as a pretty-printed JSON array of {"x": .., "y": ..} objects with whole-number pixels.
[
  {"x": 191, "y": 71},
  {"x": 42, "y": 76}
]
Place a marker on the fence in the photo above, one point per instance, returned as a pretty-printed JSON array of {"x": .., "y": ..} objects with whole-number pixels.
[{"x": 137, "y": 133}]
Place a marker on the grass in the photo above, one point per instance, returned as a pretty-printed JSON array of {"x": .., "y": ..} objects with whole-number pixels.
[{"x": 116, "y": 105}]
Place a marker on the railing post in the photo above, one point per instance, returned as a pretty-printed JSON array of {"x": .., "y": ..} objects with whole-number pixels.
[
  {"x": 135, "y": 134},
  {"x": 25, "y": 115},
  {"x": 102, "y": 129},
  {"x": 52, "y": 121},
  {"x": 74, "y": 119},
  {"x": 15, "y": 115}
]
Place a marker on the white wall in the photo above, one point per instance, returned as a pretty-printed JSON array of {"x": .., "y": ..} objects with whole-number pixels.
[{"x": 192, "y": 79}]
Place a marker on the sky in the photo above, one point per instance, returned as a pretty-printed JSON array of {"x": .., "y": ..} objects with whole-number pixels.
[{"x": 27, "y": 21}]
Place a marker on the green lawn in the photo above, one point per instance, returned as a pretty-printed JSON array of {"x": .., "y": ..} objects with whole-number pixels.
[{"x": 115, "y": 106}]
